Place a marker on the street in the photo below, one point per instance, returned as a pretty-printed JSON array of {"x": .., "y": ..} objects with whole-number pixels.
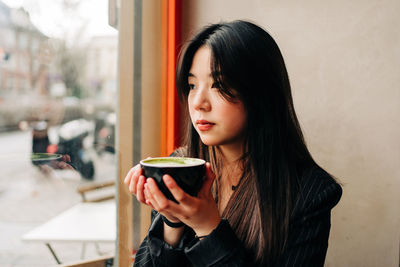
[{"x": 29, "y": 197}]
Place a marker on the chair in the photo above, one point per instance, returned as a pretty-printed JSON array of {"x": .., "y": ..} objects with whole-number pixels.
[
  {"x": 97, "y": 188},
  {"x": 105, "y": 261}
]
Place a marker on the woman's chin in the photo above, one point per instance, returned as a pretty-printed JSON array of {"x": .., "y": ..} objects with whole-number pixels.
[{"x": 208, "y": 141}]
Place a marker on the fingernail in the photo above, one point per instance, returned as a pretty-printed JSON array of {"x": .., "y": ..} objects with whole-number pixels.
[
  {"x": 166, "y": 179},
  {"x": 152, "y": 182}
]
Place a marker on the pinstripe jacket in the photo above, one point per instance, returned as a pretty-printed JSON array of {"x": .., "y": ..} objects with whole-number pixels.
[{"x": 307, "y": 241}]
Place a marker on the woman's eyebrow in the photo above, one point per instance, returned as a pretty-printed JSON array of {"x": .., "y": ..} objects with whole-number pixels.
[{"x": 214, "y": 74}]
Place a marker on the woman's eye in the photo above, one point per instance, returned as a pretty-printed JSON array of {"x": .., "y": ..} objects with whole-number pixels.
[{"x": 192, "y": 86}]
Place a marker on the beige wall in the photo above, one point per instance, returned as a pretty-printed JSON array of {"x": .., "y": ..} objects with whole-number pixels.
[{"x": 343, "y": 59}]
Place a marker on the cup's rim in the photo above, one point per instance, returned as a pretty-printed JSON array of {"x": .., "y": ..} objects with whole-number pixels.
[
  {"x": 44, "y": 156},
  {"x": 198, "y": 162}
]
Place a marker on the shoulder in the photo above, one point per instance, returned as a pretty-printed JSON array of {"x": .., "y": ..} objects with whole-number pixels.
[{"x": 318, "y": 191}]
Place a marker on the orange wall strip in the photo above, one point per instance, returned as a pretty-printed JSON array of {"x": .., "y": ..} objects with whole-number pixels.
[
  {"x": 164, "y": 74},
  {"x": 171, "y": 36}
]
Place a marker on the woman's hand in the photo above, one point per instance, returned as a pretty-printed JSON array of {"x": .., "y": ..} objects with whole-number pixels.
[
  {"x": 200, "y": 213},
  {"x": 136, "y": 181}
]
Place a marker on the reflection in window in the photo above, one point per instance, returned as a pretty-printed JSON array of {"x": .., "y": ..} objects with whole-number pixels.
[{"x": 58, "y": 69}]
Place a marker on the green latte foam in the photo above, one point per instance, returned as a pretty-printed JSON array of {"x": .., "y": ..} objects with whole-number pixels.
[
  {"x": 171, "y": 161},
  {"x": 44, "y": 156}
]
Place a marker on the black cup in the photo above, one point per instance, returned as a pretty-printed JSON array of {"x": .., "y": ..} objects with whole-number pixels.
[
  {"x": 45, "y": 158},
  {"x": 188, "y": 173}
]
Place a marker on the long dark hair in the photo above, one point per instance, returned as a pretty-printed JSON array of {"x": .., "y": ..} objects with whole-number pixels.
[{"x": 248, "y": 65}]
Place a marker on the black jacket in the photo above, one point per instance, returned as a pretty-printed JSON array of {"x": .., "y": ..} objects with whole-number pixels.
[{"x": 307, "y": 242}]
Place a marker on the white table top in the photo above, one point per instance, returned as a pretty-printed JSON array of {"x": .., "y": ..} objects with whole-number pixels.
[{"x": 84, "y": 222}]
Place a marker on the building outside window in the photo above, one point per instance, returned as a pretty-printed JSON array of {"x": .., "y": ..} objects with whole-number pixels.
[{"x": 57, "y": 129}]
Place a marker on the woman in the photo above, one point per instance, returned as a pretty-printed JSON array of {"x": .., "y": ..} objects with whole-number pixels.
[{"x": 265, "y": 201}]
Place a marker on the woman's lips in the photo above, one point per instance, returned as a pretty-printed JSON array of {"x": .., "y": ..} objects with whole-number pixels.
[{"x": 204, "y": 125}]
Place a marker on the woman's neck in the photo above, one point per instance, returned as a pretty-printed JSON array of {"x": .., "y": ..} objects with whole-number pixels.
[
  {"x": 231, "y": 168},
  {"x": 230, "y": 154},
  {"x": 230, "y": 173}
]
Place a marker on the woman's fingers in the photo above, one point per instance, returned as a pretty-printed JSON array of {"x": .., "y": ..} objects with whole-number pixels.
[
  {"x": 140, "y": 189},
  {"x": 132, "y": 179},
  {"x": 66, "y": 158},
  {"x": 208, "y": 182},
  {"x": 158, "y": 197},
  {"x": 128, "y": 177},
  {"x": 149, "y": 199},
  {"x": 176, "y": 191},
  {"x": 136, "y": 177},
  {"x": 133, "y": 184}
]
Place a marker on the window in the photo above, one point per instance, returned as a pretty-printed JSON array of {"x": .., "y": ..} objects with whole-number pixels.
[{"x": 57, "y": 135}]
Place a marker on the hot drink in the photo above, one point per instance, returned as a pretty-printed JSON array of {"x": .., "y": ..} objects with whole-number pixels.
[{"x": 187, "y": 172}]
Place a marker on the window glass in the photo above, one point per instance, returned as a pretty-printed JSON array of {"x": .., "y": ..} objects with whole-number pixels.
[
  {"x": 23, "y": 40},
  {"x": 58, "y": 96}
]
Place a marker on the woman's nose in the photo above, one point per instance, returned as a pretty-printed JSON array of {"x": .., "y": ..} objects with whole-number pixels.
[{"x": 201, "y": 100}]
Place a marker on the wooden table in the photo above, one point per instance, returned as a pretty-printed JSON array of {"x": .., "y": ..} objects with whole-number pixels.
[{"x": 84, "y": 222}]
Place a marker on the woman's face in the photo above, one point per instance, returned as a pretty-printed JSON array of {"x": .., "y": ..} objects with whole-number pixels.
[{"x": 217, "y": 121}]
